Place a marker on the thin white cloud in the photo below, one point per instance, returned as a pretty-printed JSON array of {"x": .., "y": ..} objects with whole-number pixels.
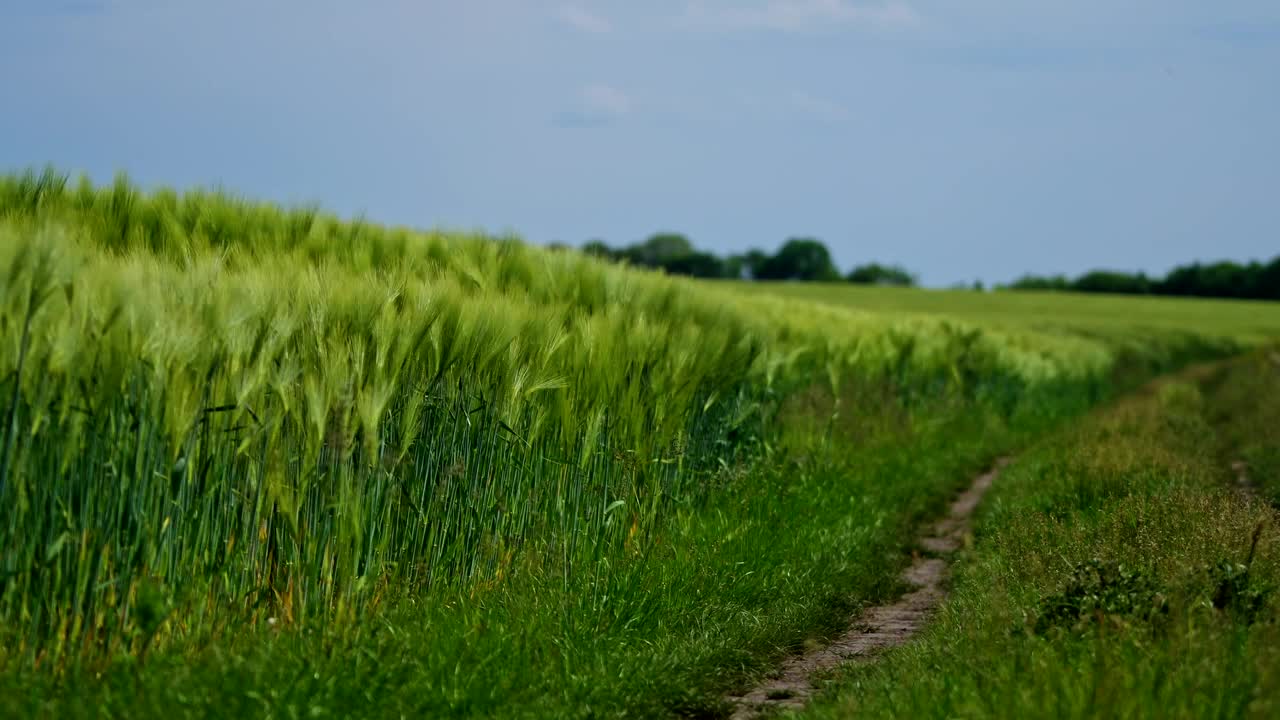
[
  {"x": 817, "y": 106},
  {"x": 582, "y": 20},
  {"x": 797, "y": 15},
  {"x": 596, "y": 105},
  {"x": 606, "y": 100}
]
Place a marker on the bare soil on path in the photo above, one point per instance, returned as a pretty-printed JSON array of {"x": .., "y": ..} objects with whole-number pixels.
[{"x": 877, "y": 628}]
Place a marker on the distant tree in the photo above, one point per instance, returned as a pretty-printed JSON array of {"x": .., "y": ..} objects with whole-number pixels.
[
  {"x": 1220, "y": 279},
  {"x": 696, "y": 264},
  {"x": 748, "y": 264},
  {"x": 1224, "y": 279},
  {"x": 1253, "y": 281},
  {"x": 799, "y": 259},
  {"x": 660, "y": 249},
  {"x": 1182, "y": 280},
  {"x": 807, "y": 259},
  {"x": 600, "y": 249},
  {"x": 1040, "y": 282},
  {"x": 877, "y": 274},
  {"x": 669, "y": 251},
  {"x": 1110, "y": 281},
  {"x": 1268, "y": 283},
  {"x": 734, "y": 267}
]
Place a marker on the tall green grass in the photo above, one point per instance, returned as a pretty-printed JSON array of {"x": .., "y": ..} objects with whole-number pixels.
[{"x": 220, "y": 413}]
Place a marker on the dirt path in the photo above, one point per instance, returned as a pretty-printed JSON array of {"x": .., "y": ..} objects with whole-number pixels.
[
  {"x": 880, "y": 627},
  {"x": 1244, "y": 483}
]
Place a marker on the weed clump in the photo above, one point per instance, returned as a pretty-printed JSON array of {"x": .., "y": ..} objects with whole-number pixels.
[
  {"x": 1236, "y": 593},
  {"x": 1101, "y": 591},
  {"x": 1234, "y": 590}
]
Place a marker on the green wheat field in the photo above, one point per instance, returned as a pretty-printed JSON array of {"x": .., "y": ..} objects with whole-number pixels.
[{"x": 265, "y": 462}]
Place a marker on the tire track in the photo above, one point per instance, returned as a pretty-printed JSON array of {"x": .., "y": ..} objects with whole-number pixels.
[{"x": 878, "y": 628}]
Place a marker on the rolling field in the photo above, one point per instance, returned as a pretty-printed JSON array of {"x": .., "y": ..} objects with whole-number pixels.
[
  {"x": 265, "y": 462},
  {"x": 1116, "y": 317}
]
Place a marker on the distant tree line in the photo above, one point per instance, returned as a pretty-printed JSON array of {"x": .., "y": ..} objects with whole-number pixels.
[
  {"x": 808, "y": 259},
  {"x": 799, "y": 258},
  {"x": 1256, "y": 281}
]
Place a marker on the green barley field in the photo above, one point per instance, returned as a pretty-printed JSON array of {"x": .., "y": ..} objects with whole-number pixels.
[{"x": 264, "y": 462}]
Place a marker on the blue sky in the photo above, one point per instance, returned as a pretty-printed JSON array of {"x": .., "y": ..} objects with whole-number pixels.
[{"x": 963, "y": 138}]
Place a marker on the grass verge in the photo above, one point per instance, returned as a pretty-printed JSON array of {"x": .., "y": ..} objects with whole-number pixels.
[{"x": 1117, "y": 573}]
